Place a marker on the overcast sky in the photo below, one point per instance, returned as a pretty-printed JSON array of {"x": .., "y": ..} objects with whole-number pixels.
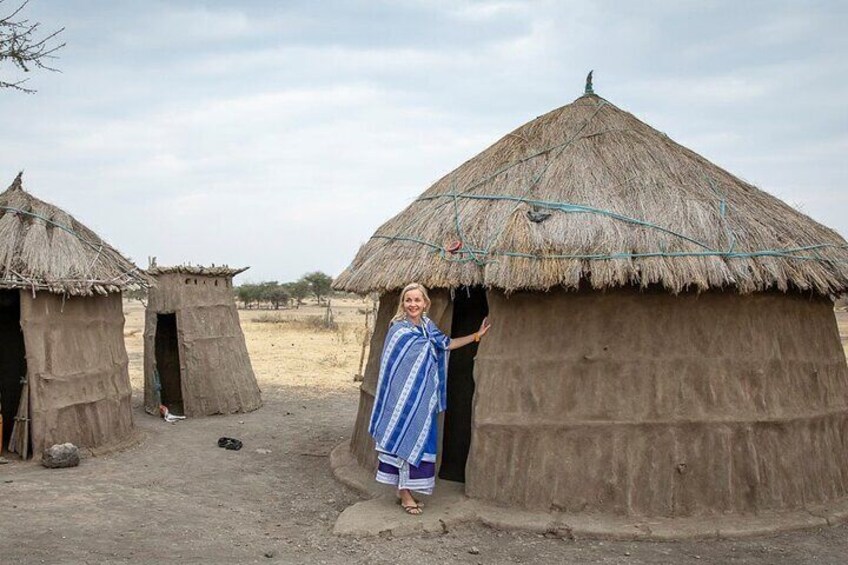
[{"x": 280, "y": 135}]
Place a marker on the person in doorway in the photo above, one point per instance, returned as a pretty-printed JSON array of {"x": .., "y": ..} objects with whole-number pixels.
[{"x": 411, "y": 392}]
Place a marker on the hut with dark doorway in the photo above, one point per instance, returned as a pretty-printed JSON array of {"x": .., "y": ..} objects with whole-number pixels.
[
  {"x": 195, "y": 357},
  {"x": 63, "y": 364},
  {"x": 663, "y": 339}
]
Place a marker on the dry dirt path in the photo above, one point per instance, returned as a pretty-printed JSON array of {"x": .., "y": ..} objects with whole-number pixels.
[{"x": 178, "y": 498}]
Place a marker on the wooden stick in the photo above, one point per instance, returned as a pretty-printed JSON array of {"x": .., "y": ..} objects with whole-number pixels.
[
  {"x": 19, "y": 442},
  {"x": 25, "y": 402},
  {"x": 360, "y": 376}
]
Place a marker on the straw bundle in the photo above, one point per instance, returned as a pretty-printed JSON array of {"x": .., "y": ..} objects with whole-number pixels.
[
  {"x": 590, "y": 194},
  {"x": 44, "y": 248},
  {"x": 213, "y": 271}
]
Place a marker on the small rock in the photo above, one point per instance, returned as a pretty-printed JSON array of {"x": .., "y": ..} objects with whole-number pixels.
[
  {"x": 627, "y": 554},
  {"x": 474, "y": 551},
  {"x": 64, "y": 455},
  {"x": 241, "y": 421},
  {"x": 3, "y": 460},
  {"x": 270, "y": 554},
  {"x": 263, "y": 451}
]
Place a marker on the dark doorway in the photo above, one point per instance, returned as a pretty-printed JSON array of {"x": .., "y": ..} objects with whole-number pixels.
[
  {"x": 12, "y": 359},
  {"x": 168, "y": 363},
  {"x": 469, "y": 309}
]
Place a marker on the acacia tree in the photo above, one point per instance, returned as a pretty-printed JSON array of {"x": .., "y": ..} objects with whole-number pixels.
[
  {"x": 23, "y": 47},
  {"x": 248, "y": 293},
  {"x": 274, "y": 293},
  {"x": 298, "y": 290},
  {"x": 319, "y": 283}
]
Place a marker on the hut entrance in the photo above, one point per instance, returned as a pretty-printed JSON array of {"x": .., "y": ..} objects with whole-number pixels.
[
  {"x": 12, "y": 359},
  {"x": 469, "y": 309},
  {"x": 168, "y": 363}
]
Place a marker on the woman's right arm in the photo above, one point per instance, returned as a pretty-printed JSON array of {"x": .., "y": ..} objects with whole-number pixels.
[{"x": 458, "y": 342}]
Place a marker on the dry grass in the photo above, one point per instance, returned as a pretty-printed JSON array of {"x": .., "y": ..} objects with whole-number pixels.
[
  {"x": 309, "y": 322},
  {"x": 286, "y": 347},
  {"x": 615, "y": 172},
  {"x": 842, "y": 323}
]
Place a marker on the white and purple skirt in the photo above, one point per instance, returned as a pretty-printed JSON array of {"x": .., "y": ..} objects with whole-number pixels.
[{"x": 395, "y": 471}]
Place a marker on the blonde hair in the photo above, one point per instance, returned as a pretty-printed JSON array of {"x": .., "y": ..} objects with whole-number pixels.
[{"x": 400, "y": 314}]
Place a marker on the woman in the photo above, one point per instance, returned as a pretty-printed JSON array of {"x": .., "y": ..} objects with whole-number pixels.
[{"x": 411, "y": 391}]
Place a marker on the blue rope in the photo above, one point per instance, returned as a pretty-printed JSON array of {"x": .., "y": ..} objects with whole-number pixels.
[
  {"x": 469, "y": 253},
  {"x": 783, "y": 253},
  {"x": 572, "y": 208},
  {"x": 98, "y": 248},
  {"x": 51, "y": 222},
  {"x": 533, "y": 182},
  {"x": 722, "y": 209}
]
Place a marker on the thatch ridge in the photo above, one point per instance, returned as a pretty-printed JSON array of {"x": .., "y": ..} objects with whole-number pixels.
[
  {"x": 197, "y": 270},
  {"x": 588, "y": 193},
  {"x": 44, "y": 248}
]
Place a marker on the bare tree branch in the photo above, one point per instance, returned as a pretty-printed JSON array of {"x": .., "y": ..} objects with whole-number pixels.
[{"x": 21, "y": 46}]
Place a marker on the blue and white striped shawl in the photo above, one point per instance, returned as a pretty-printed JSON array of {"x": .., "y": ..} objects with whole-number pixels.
[{"x": 411, "y": 389}]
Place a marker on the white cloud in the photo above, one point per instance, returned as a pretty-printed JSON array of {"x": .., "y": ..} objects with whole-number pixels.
[{"x": 281, "y": 136}]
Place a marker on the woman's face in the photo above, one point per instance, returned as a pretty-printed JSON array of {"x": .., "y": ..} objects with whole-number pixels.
[{"x": 414, "y": 304}]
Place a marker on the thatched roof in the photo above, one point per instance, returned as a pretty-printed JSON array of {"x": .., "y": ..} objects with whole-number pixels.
[
  {"x": 197, "y": 270},
  {"x": 44, "y": 248},
  {"x": 588, "y": 193}
]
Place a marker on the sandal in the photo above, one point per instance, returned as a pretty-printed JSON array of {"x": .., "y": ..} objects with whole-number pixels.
[
  {"x": 229, "y": 443},
  {"x": 419, "y": 503},
  {"x": 412, "y": 509}
]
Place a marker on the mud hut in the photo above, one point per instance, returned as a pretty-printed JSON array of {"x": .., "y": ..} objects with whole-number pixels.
[
  {"x": 63, "y": 364},
  {"x": 195, "y": 358},
  {"x": 663, "y": 340}
]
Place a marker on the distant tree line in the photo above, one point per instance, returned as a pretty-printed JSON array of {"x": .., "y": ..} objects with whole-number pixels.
[{"x": 278, "y": 294}]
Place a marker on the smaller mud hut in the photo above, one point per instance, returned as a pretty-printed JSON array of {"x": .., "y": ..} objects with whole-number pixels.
[
  {"x": 63, "y": 363},
  {"x": 195, "y": 358}
]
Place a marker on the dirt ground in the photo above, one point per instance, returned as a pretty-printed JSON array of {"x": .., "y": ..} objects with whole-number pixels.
[{"x": 177, "y": 497}]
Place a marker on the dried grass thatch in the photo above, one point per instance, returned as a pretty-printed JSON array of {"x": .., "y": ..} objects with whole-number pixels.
[
  {"x": 198, "y": 270},
  {"x": 44, "y": 248},
  {"x": 590, "y": 193}
]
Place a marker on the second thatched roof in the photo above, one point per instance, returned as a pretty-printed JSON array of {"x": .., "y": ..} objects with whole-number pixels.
[
  {"x": 589, "y": 193},
  {"x": 197, "y": 270},
  {"x": 44, "y": 248}
]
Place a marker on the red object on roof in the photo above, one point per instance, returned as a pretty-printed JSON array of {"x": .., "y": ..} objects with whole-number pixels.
[{"x": 454, "y": 246}]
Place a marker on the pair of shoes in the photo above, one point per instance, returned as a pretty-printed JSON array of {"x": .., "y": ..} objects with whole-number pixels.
[
  {"x": 229, "y": 443},
  {"x": 412, "y": 509}
]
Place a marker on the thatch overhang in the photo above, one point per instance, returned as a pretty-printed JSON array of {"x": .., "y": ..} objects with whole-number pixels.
[
  {"x": 197, "y": 270},
  {"x": 590, "y": 194},
  {"x": 44, "y": 248}
]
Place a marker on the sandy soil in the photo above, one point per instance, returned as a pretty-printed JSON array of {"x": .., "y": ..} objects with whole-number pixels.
[
  {"x": 842, "y": 322},
  {"x": 177, "y": 497}
]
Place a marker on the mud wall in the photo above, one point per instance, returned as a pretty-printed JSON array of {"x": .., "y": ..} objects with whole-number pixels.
[
  {"x": 217, "y": 377},
  {"x": 77, "y": 369},
  {"x": 640, "y": 403},
  {"x": 441, "y": 311}
]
